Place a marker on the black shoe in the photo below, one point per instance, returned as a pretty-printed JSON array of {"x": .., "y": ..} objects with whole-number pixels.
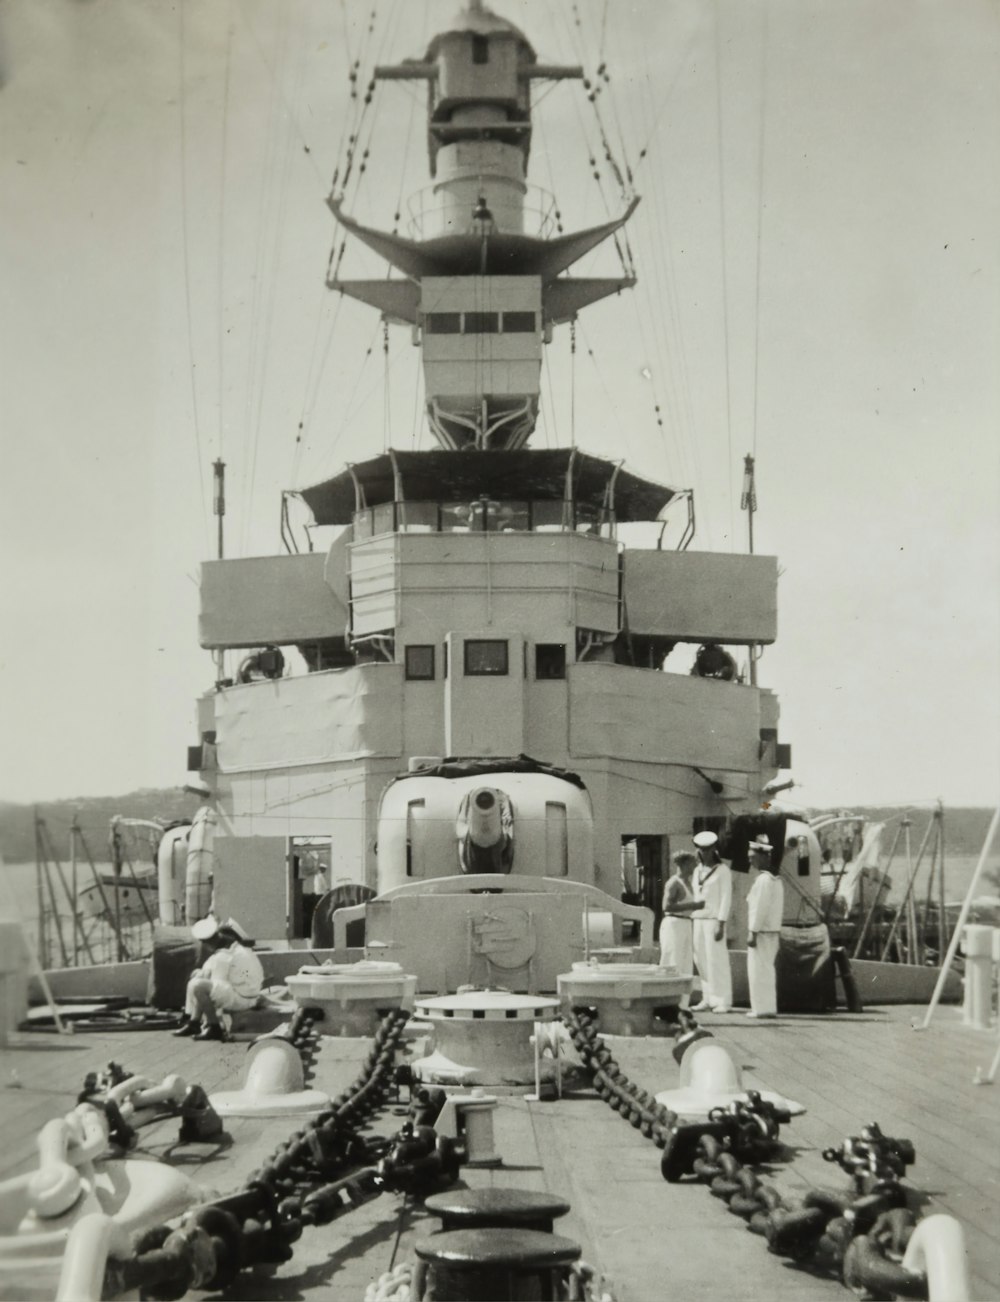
[
  {"x": 213, "y": 1032},
  {"x": 190, "y": 1027}
]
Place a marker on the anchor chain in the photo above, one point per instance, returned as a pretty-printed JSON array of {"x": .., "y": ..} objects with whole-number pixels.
[
  {"x": 858, "y": 1237},
  {"x": 318, "y": 1173},
  {"x": 636, "y": 1105}
]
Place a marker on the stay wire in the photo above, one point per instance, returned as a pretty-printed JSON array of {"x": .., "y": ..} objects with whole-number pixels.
[
  {"x": 666, "y": 317},
  {"x": 657, "y": 117},
  {"x": 602, "y": 380},
  {"x": 761, "y": 156},
  {"x": 572, "y": 384},
  {"x": 185, "y": 243},
  {"x": 664, "y": 310},
  {"x": 386, "y": 408},
  {"x": 271, "y": 309},
  {"x": 312, "y": 397},
  {"x": 220, "y": 252},
  {"x": 264, "y": 210},
  {"x": 723, "y": 254},
  {"x": 352, "y": 123},
  {"x": 419, "y": 374}
]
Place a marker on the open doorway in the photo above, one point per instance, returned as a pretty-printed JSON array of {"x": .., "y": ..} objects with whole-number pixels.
[
  {"x": 308, "y": 877},
  {"x": 643, "y": 858}
]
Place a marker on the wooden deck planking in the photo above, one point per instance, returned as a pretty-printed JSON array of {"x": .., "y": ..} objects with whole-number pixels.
[
  {"x": 956, "y": 1130},
  {"x": 939, "y": 1122},
  {"x": 647, "y": 1236}
]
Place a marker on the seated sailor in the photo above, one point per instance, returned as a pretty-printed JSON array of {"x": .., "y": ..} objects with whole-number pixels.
[
  {"x": 230, "y": 978},
  {"x": 714, "y": 661}
]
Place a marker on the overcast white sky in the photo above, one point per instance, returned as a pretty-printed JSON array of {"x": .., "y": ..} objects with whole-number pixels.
[{"x": 164, "y": 245}]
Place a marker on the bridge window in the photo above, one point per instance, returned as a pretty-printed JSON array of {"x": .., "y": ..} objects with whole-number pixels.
[
  {"x": 482, "y": 323},
  {"x": 384, "y": 518},
  {"x": 519, "y": 323},
  {"x": 486, "y": 658},
  {"x": 418, "y": 517},
  {"x": 419, "y": 663},
  {"x": 549, "y": 517},
  {"x": 480, "y": 49},
  {"x": 550, "y": 660},
  {"x": 443, "y": 323}
]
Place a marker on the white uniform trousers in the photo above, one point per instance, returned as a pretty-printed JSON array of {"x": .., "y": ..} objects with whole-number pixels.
[
  {"x": 677, "y": 947},
  {"x": 760, "y": 974},
  {"x": 711, "y": 958}
]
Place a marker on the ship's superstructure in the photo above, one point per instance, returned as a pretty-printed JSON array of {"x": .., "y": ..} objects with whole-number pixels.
[{"x": 477, "y": 603}]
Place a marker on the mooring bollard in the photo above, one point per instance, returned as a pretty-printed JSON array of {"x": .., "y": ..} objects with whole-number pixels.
[
  {"x": 496, "y": 1265},
  {"x": 526, "y": 1209}
]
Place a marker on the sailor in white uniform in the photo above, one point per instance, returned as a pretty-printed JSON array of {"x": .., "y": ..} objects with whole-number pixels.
[
  {"x": 765, "y": 906},
  {"x": 231, "y": 978},
  {"x": 713, "y": 886},
  {"x": 676, "y": 932}
]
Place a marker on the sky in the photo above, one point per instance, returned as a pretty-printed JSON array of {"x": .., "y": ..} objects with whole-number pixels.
[{"x": 818, "y": 252}]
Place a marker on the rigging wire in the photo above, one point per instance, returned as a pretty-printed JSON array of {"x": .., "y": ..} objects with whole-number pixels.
[
  {"x": 265, "y": 207},
  {"x": 386, "y": 408},
  {"x": 309, "y": 405},
  {"x": 548, "y": 392},
  {"x": 723, "y": 254},
  {"x": 350, "y": 130},
  {"x": 663, "y": 303},
  {"x": 419, "y": 375},
  {"x": 284, "y": 153},
  {"x": 349, "y": 405},
  {"x": 613, "y": 407},
  {"x": 185, "y": 242},
  {"x": 262, "y": 222},
  {"x": 352, "y": 410},
  {"x": 572, "y": 383},
  {"x": 220, "y": 252},
  {"x": 618, "y": 237},
  {"x": 760, "y": 217},
  {"x": 347, "y": 34},
  {"x": 665, "y": 102},
  {"x": 556, "y": 211},
  {"x": 594, "y": 85}
]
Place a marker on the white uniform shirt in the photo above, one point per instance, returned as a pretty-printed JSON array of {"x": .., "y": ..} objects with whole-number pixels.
[
  {"x": 237, "y": 967},
  {"x": 715, "y": 887},
  {"x": 765, "y": 903}
]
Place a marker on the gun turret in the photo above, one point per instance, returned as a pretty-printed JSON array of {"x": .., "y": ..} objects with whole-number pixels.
[{"x": 485, "y": 827}]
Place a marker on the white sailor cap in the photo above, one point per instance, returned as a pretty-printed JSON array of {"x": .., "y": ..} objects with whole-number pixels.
[
  {"x": 205, "y": 928},
  {"x": 230, "y": 930},
  {"x": 705, "y": 840}
]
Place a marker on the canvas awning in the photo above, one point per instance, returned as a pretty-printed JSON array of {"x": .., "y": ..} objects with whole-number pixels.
[{"x": 468, "y": 474}]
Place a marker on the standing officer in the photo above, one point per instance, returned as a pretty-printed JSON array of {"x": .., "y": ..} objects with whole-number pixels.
[
  {"x": 765, "y": 907},
  {"x": 713, "y": 886}
]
